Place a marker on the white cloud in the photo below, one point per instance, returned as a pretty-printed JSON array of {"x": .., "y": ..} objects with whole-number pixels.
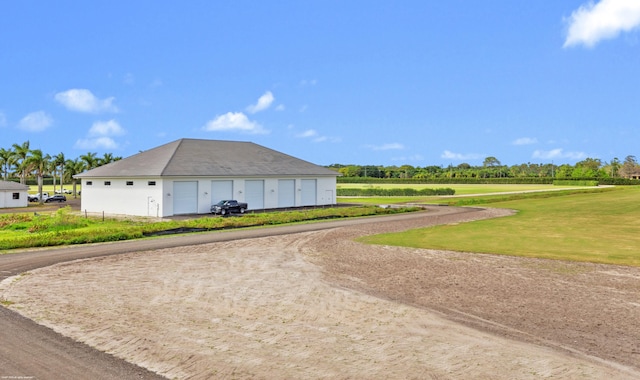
[
  {"x": 308, "y": 133},
  {"x": 96, "y": 143},
  {"x": 390, "y": 146},
  {"x": 280, "y": 107},
  {"x": 525, "y": 141},
  {"x": 100, "y": 136},
  {"x": 558, "y": 153},
  {"x": 234, "y": 121},
  {"x": 316, "y": 137},
  {"x": 106, "y": 128},
  {"x": 264, "y": 102},
  {"x": 460, "y": 156},
  {"x": 306, "y": 82},
  {"x": 36, "y": 122},
  {"x": 593, "y": 22},
  {"x": 82, "y": 100}
]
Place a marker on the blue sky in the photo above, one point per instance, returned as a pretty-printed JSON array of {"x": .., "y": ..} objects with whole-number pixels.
[{"x": 351, "y": 82}]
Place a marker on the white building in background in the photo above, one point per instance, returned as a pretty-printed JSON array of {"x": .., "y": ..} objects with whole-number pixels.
[
  {"x": 187, "y": 176},
  {"x": 13, "y": 194}
]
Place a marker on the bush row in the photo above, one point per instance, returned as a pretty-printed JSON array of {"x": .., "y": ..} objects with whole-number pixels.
[
  {"x": 574, "y": 183},
  {"x": 618, "y": 181},
  {"x": 48, "y": 181},
  {"x": 379, "y": 192}
]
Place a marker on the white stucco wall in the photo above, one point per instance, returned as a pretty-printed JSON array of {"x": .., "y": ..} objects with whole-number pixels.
[
  {"x": 143, "y": 200},
  {"x": 119, "y": 198},
  {"x": 327, "y": 191},
  {"x": 7, "y": 201}
]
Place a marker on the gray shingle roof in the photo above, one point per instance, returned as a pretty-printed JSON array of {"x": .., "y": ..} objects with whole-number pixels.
[
  {"x": 12, "y": 186},
  {"x": 208, "y": 158}
]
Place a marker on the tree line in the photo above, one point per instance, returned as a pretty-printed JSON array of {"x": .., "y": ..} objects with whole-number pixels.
[
  {"x": 21, "y": 162},
  {"x": 492, "y": 168}
]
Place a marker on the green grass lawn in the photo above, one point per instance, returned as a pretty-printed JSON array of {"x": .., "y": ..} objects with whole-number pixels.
[
  {"x": 460, "y": 190},
  {"x": 601, "y": 227},
  {"x": 64, "y": 226}
]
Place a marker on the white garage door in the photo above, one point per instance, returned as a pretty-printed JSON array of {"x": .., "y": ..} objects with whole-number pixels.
[
  {"x": 254, "y": 196},
  {"x": 185, "y": 197},
  {"x": 221, "y": 190},
  {"x": 286, "y": 192},
  {"x": 308, "y": 192}
]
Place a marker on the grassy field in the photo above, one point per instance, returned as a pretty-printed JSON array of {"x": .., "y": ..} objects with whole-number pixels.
[
  {"x": 460, "y": 190},
  {"x": 601, "y": 227}
]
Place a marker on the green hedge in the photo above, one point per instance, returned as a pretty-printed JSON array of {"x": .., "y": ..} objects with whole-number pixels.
[
  {"x": 45, "y": 181},
  {"x": 574, "y": 183},
  {"x": 618, "y": 181},
  {"x": 379, "y": 192}
]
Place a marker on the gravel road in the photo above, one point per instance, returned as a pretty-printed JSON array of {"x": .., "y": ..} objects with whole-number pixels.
[{"x": 31, "y": 351}]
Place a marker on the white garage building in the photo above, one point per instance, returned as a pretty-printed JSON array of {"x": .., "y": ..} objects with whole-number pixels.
[
  {"x": 187, "y": 176},
  {"x": 13, "y": 194}
]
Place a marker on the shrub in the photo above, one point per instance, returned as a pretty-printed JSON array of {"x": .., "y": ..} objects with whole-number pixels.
[
  {"x": 574, "y": 183},
  {"x": 380, "y": 192}
]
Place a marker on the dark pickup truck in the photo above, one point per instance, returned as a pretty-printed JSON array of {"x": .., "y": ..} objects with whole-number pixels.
[{"x": 228, "y": 207}]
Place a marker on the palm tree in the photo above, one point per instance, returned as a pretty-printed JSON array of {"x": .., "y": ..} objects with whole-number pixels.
[
  {"x": 615, "y": 166},
  {"x": 20, "y": 154},
  {"x": 90, "y": 161},
  {"x": 58, "y": 161},
  {"x": 71, "y": 168},
  {"x": 106, "y": 159},
  {"x": 6, "y": 160},
  {"x": 51, "y": 168},
  {"x": 40, "y": 164}
]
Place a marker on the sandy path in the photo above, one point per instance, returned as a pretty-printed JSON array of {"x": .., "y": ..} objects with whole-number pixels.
[{"x": 280, "y": 307}]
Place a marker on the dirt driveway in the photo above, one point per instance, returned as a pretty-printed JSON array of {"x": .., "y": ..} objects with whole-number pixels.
[{"x": 318, "y": 305}]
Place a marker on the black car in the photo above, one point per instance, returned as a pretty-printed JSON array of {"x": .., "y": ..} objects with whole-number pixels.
[
  {"x": 229, "y": 206},
  {"x": 56, "y": 198}
]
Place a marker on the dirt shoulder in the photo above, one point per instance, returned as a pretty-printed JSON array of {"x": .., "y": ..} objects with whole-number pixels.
[{"x": 318, "y": 305}]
